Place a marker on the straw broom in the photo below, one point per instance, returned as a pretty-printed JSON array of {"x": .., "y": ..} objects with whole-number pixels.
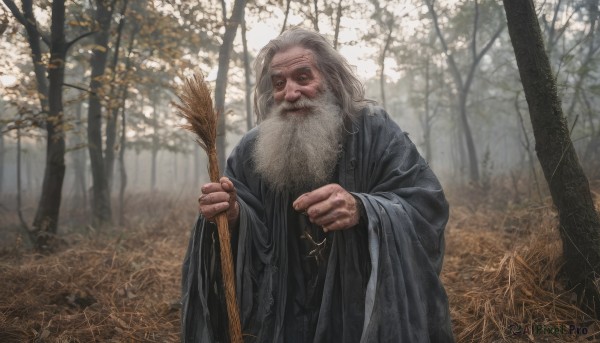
[{"x": 196, "y": 107}]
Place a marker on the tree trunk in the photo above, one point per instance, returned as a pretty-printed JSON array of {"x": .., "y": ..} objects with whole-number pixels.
[
  {"x": 175, "y": 170},
  {"x": 579, "y": 221},
  {"x": 2, "y": 164},
  {"x": 388, "y": 40},
  {"x": 285, "y": 17},
  {"x": 136, "y": 168},
  {"x": 101, "y": 195},
  {"x": 24, "y": 225},
  {"x": 28, "y": 173},
  {"x": 155, "y": 143},
  {"x": 197, "y": 168},
  {"x": 122, "y": 170},
  {"x": 39, "y": 66},
  {"x": 123, "y": 139},
  {"x": 221, "y": 82},
  {"x": 247, "y": 72},
  {"x": 471, "y": 151},
  {"x": 79, "y": 157},
  {"x": 316, "y": 17},
  {"x": 111, "y": 121},
  {"x": 338, "y": 20},
  {"x": 45, "y": 224},
  {"x": 461, "y": 152},
  {"x": 426, "y": 122}
]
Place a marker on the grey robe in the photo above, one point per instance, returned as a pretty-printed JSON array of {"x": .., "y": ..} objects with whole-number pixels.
[{"x": 381, "y": 282}]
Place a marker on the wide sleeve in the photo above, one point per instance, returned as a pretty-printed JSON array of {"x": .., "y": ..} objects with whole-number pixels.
[{"x": 406, "y": 214}]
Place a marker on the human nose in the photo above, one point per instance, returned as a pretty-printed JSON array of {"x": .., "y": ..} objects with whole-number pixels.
[{"x": 292, "y": 92}]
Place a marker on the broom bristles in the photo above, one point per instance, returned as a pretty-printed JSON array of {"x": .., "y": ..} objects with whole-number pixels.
[{"x": 196, "y": 107}]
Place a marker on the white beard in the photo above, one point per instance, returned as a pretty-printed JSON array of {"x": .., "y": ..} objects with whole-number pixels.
[{"x": 298, "y": 152}]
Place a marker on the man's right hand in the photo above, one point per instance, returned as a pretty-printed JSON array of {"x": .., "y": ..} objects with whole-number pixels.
[{"x": 219, "y": 197}]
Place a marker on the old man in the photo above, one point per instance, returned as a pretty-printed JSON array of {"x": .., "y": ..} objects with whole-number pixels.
[{"x": 337, "y": 222}]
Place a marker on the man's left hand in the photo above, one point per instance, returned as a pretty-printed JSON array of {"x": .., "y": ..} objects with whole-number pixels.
[{"x": 330, "y": 207}]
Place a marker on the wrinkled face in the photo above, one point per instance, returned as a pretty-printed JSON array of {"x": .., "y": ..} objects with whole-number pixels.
[{"x": 294, "y": 76}]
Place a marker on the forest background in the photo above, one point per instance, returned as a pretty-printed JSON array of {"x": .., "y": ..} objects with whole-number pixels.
[{"x": 86, "y": 98}]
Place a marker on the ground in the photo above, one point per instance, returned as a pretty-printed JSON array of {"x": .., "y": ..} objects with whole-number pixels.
[{"x": 503, "y": 254}]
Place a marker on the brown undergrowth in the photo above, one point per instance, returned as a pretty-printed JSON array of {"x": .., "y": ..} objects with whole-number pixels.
[
  {"x": 117, "y": 285},
  {"x": 501, "y": 272},
  {"x": 503, "y": 254}
]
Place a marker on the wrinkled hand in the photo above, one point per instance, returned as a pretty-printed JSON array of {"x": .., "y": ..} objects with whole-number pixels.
[
  {"x": 219, "y": 197},
  {"x": 330, "y": 207}
]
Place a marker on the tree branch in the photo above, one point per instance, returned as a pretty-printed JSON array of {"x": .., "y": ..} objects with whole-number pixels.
[
  {"x": 285, "y": 18},
  {"x": 475, "y": 23},
  {"x": 78, "y": 87},
  {"x": 453, "y": 67},
  {"x": 224, "y": 12},
  {"x": 76, "y": 39},
  {"x": 15, "y": 11},
  {"x": 23, "y": 20}
]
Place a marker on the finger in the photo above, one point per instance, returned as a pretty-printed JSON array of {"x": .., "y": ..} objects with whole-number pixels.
[
  {"x": 211, "y": 211},
  {"x": 308, "y": 199},
  {"x": 211, "y": 188},
  {"x": 298, "y": 204},
  {"x": 343, "y": 211},
  {"x": 339, "y": 204},
  {"x": 334, "y": 216},
  {"x": 226, "y": 184},
  {"x": 214, "y": 198},
  {"x": 320, "y": 210}
]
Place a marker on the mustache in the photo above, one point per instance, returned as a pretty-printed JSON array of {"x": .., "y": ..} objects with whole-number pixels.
[{"x": 302, "y": 103}]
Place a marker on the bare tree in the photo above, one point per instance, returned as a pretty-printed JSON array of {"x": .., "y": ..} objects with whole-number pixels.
[
  {"x": 45, "y": 224},
  {"x": 463, "y": 86},
  {"x": 315, "y": 17},
  {"x": 382, "y": 56},
  {"x": 247, "y": 72},
  {"x": 114, "y": 104},
  {"x": 155, "y": 139},
  {"x": 338, "y": 20},
  {"x": 579, "y": 221},
  {"x": 221, "y": 82},
  {"x": 123, "y": 138},
  {"x": 79, "y": 161},
  {"x": 101, "y": 195},
  {"x": 35, "y": 38},
  {"x": 285, "y": 17},
  {"x": 2, "y": 152},
  {"x": 429, "y": 113}
]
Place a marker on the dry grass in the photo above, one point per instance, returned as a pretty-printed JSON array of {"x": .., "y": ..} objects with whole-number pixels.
[
  {"x": 501, "y": 275},
  {"x": 116, "y": 286},
  {"x": 122, "y": 285}
]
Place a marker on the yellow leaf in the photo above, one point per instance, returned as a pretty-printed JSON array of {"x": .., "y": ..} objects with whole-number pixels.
[
  {"x": 99, "y": 48},
  {"x": 78, "y": 23}
]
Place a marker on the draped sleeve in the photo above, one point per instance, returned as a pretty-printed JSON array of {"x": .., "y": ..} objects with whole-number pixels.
[{"x": 406, "y": 215}]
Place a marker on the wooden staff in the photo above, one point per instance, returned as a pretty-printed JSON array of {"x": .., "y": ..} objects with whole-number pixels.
[{"x": 196, "y": 106}]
